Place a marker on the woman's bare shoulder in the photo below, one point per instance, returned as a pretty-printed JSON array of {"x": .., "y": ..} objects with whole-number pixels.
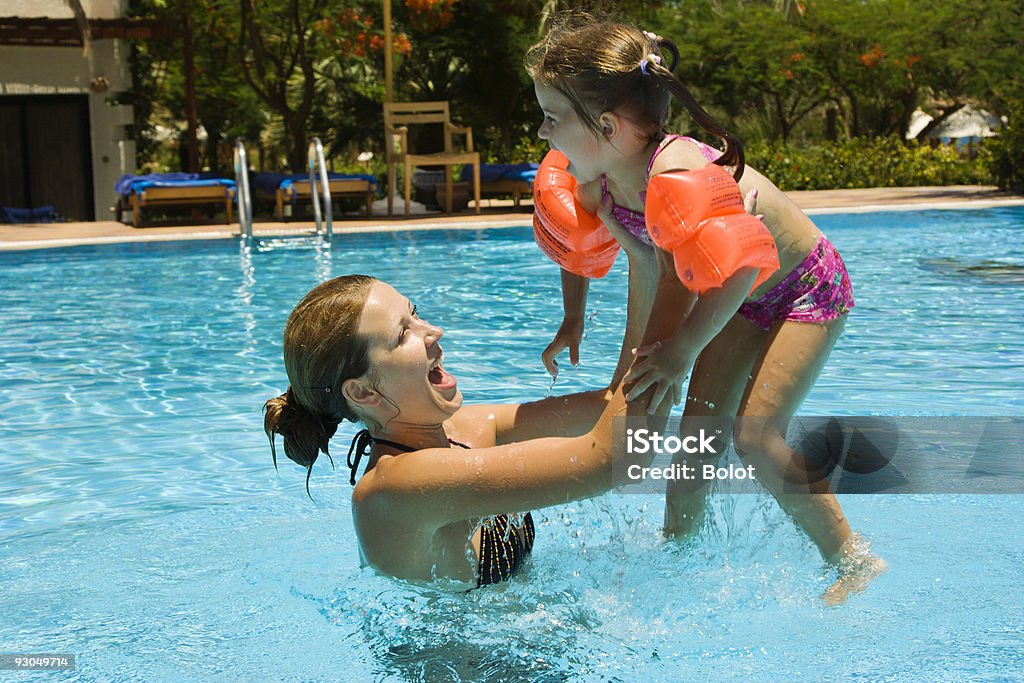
[{"x": 474, "y": 425}]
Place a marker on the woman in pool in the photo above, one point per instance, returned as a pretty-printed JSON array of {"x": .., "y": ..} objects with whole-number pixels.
[{"x": 355, "y": 349}]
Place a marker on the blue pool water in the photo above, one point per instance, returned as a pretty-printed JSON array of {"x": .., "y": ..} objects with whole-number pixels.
[{"x": 143, "y": 528}]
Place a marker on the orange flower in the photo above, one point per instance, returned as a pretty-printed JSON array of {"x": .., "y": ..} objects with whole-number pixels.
[
  {"x": 402, "y": 45},
  {"x": 873, "y": 56},
  {"x": 431, "y": 15}
]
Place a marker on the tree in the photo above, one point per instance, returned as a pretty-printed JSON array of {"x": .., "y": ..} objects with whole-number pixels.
[
  {"x": 277, "y": 47},
  {"x": 970, "y": 54},
  {"x": 872, "y": 63},
  {"x": 775, "y": 80}
]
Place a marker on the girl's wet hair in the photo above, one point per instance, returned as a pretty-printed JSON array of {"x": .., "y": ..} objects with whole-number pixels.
[
  {"x": 322, "y": 350},
  {"x": 603, "y": 66}
]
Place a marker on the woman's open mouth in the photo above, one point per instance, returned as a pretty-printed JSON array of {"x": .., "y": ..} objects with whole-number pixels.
[{"x": 439, "y": 378}]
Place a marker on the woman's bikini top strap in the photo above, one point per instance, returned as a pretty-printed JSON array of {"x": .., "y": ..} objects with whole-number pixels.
[
  {"x": 360, "y": 446},
  {"x": 363, "y": 441}
]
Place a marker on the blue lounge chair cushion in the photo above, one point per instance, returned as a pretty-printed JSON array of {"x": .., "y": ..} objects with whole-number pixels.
[
  {"x": 127, "y": 184},
  {"x": 271, "y": 182},
  {"x": 43, "y": 214},
  {"x": 490, "y": 173}
]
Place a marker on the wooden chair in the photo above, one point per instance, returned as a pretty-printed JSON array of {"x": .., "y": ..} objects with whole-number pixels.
[{"x": 397, "y": 118}]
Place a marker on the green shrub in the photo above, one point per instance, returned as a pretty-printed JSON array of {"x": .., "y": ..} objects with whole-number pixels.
[
  {"x": 527, "y": 149},
  {"x": 865, "y": 162},
  {"x": 1004, "y": 154}
]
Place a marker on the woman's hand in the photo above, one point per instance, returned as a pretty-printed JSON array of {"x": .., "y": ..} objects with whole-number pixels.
[
  {"x": 570, "y": 335},
  {"x": 663, "y": 365}
]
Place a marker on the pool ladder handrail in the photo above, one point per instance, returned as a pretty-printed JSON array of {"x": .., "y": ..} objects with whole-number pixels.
[
  {"x": 242, "y": 194},
  {"x": 317, "y": 166}
]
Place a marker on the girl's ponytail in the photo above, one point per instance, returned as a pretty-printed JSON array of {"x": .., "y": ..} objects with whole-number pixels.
[
  {"x": 666, "y": 44},
  {"x": 733, "y": 155}
]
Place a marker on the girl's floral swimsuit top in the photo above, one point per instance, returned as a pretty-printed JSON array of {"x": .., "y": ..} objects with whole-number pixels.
[
  {"x": 815, "y": 291},
  {"x": 633, "y": 221}
]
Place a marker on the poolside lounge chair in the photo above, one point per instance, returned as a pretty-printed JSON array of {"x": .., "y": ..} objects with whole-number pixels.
[
  {"x": 513, "y": 179},
  {"x": 172, "y": 189},
  {"x": 397, "y": 118},
  {"x": 282, "y": 188},
  {"x": 42, "y": 214}
]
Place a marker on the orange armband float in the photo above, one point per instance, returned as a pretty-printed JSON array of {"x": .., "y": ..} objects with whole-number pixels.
[
  {"x": 698, "y": 216},
  {"x": 574, "y": 239}
]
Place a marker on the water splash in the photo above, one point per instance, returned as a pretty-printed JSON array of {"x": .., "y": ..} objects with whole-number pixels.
[{"x": 589, "y": 320}]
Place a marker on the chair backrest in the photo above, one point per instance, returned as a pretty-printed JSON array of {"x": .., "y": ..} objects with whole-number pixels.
[
  {"x": 398, "y": 115},
  {"x": 403, "y": 113}
]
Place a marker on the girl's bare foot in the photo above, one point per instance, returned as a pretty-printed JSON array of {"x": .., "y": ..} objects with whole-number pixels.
[{"x": 857, "y": 568}]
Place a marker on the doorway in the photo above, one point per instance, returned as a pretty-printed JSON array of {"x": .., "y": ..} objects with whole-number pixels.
[{"x": 45, "y": 154}]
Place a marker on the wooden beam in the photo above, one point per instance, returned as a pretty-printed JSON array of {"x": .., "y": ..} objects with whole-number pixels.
[{"x": 65, "y": 32}]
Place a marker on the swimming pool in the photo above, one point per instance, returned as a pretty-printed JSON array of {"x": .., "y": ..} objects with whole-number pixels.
[{"x": 143, "y": 528}]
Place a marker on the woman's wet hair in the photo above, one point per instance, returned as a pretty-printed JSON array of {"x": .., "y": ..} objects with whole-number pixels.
[
  {"x": 604, "y": 66},
  {"x": 322, "y": 349}
]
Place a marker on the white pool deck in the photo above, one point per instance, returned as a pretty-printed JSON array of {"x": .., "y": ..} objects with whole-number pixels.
[{"x": 494, "y": 214}]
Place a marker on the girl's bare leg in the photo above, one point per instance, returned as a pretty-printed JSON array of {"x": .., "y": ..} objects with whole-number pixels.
[
  {"x": 717, "y": 385},
  {"x": 781, "y": 378}
]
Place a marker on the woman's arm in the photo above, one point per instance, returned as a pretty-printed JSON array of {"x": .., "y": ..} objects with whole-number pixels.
[
  {"x": 444, "y": 485},
  {"x": 570, "y": 415}
]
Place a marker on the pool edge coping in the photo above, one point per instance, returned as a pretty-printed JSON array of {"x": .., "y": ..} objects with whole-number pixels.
[{"x": 471, "y": 224}]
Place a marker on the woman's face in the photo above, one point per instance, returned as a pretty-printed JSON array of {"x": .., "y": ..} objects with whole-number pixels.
[
  {"x": 565, "y": 132},
  {"x": 405, "y": 360}
]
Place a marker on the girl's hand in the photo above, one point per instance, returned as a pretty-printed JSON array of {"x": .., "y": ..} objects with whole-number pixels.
[
  {"x": 570, "y": 334},
  {"x": 662, "y": 365}
]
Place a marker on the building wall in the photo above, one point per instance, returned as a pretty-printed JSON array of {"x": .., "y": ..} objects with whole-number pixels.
[
  {"x": 100, "y": 74},
  {"x": 58, "y": 9}
]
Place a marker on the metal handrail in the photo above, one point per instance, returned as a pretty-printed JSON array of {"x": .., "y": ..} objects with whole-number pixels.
[
  {"x": 242, "y": 194},
  {"x": 317, "y": 166}
]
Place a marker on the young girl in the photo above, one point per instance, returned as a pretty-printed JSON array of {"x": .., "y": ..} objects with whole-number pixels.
[{"x": 605, "y": 89}]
